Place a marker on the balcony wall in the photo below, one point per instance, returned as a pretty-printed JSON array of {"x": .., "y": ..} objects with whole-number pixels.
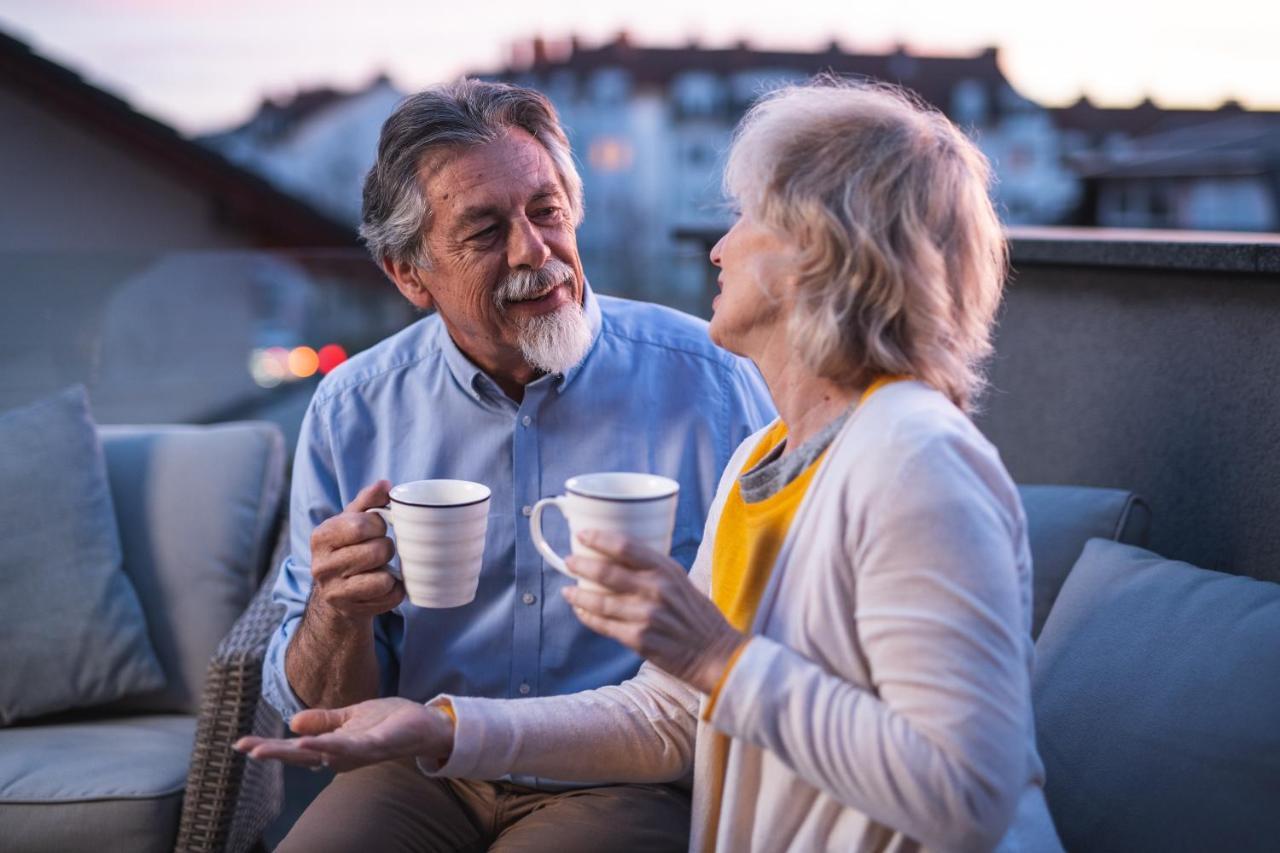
[
  {"x": 1149, "y": 361},
  {"x": 1144, "y": 360}
]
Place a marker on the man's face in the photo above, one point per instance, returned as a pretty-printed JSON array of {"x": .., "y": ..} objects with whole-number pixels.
[{"x": 497, "y": 209}]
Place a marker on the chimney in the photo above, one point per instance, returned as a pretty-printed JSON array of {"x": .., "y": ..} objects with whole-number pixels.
[{"x": 539, "y": 51}]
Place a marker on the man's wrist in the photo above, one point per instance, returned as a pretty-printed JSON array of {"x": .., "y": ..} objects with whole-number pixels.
[{"x": 329, "y": 621}]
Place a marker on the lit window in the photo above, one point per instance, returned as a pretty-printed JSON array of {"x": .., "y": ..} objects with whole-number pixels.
[{"x": 609, "y": 154}]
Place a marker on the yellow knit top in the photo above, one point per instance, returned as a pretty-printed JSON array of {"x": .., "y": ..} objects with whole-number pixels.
[{"x": 748, "y": 539}]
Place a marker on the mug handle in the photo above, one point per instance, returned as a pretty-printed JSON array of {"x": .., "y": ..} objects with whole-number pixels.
[
  {"x": 535, "y": 530},
  {"x": 385, "y": 514}
]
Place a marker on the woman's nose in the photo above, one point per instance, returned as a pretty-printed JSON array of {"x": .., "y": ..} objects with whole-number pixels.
[{"x": 716, "y": 250}]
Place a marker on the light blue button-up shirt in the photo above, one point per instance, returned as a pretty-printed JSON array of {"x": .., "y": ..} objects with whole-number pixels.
[{"x": 653, "y": 394}]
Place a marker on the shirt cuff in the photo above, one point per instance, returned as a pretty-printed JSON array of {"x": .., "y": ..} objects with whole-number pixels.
[
  {"x": 714, "y": 698},
  {"x": 275, "y": 683}
]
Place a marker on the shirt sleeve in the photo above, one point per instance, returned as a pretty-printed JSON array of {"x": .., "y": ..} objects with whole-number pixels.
[
  {"x": 938, "y": 748},
  {"x": 315, "y": 495}
]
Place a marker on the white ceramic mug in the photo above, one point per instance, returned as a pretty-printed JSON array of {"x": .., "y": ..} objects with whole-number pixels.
[
  {"x": 439, "y": 534},
  {"x": 641, "y": 506}
]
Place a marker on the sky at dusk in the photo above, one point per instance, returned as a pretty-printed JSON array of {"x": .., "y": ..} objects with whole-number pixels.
[{"x": 205, "y": 64}]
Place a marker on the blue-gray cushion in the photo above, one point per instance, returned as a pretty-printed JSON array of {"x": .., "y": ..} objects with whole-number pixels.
[
  {"x": 1060, "y": 519},
  {"x": 1157, "y": 696},
  {"x": 71, "y": 626},
  {"x": 106, "y": 785},
  {"x": 196, "y": 506}
]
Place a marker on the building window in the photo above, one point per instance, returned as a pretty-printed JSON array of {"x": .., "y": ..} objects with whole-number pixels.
[
  {"x": 610, "y": 86},
  {"x": 610, "y": 154},
  {"x": 969, "y": 103}
]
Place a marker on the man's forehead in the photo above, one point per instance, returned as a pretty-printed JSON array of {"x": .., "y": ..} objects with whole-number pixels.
[{"x": 511, "y": 169}]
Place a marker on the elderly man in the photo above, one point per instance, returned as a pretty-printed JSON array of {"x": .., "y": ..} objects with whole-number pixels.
[{"x": 522, "y": 378}]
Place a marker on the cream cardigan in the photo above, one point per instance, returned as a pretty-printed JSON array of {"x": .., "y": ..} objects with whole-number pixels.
[{"x": 884, "y": 700}]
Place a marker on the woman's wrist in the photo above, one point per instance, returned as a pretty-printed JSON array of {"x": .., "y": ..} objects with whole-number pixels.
[
  {"x": 438, "y": 740},
  {"x": 717, "y": 659}
]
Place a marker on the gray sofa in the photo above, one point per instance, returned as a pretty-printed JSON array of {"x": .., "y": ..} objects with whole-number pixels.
[
  {"x": 1157, "y": 685},
  {"x": 159, "y": 774},
  {"x": 199, "y": 512}
]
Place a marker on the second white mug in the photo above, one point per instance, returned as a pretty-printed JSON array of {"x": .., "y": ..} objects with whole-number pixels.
[
  {"x": 439, "y": 534},
  {"x": 640, "y": 506}
]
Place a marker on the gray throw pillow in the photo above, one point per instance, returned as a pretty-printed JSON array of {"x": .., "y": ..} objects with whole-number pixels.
[
  {"x": 71, "y": 627},
  {"x": 1157, "y": 695}
]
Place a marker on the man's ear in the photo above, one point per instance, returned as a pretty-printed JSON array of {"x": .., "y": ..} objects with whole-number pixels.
[{"x": 411, "y": 283}]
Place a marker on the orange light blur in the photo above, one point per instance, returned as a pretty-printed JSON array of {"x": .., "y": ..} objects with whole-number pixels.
[
  {"x": 303, "y": 362},
  {"x": 330, "y": 356}
]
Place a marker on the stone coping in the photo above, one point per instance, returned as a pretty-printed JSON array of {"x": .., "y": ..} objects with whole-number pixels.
[{"x": 1202, "y": 251}]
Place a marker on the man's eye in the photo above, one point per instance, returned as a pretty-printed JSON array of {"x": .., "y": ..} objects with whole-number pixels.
[
  {"x": 485, "y": 234},
  {"x": 548, "y": 213}
]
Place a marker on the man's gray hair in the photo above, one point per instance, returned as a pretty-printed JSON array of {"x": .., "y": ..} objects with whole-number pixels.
[{"x": 394, "y": 213}]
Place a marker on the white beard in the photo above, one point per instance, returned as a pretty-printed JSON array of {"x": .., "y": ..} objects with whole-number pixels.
[{"x": 555, "y": 342}]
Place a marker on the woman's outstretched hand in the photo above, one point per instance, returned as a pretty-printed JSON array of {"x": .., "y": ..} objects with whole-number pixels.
[
  {"x": 360, "y": 734},
  {"x": 651, "y": 607}
]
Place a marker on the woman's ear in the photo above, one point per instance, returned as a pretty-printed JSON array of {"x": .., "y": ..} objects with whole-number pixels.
[{"x": 410, "y": 281}]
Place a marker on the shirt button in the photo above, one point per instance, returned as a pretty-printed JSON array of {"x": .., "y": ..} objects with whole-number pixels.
[
  {"x": 524, "y": 690},
  {"x": 528, "y": 598},
  {"x": 526, "y": 510},
  {"x": 526, "y": 420}
]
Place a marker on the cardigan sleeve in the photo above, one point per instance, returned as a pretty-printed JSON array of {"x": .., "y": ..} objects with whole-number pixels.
[{"x": 937, "y": 748}]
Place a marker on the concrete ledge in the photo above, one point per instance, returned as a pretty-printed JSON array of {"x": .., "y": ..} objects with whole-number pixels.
[{"x": 1204, "y": 251}]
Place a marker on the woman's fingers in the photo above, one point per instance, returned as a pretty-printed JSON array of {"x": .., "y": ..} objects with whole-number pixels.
[
  {"x": 622, "y": 608},
  {"x": 336, "y": 744},
  {"x": 287, "y": 751},
  {"x": 608, "y": 574},
  {"x": 625, "y": 550},
  {"x": 603, "y": 625},
  {"x": 314, "y": 721}
]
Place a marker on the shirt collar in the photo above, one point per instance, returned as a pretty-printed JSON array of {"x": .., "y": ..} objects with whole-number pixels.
[{"x": 477, "y": 383}]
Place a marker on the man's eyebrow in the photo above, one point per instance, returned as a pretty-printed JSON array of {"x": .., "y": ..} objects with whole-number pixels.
[
  {"x": 546, "y": 191},
  {"x": 472, "y": 215}
]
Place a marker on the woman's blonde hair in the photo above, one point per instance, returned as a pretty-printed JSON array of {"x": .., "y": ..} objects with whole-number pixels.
[{"x": 903, "y": 256}]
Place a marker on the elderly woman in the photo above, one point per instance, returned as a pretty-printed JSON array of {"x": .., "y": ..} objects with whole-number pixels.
[{"x": 848, "y": 664}]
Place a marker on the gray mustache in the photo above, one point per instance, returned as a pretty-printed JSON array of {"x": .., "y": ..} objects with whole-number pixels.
[{"x": 523, "y": 284}]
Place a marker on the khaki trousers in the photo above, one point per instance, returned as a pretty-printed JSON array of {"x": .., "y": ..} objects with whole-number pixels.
[{"x": 393, "y": 807}]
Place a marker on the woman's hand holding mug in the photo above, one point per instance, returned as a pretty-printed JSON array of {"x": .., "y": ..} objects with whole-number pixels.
[{"x": 645, "y": 601}]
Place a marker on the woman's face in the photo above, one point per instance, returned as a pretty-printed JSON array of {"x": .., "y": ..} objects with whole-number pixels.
[{"x": 757, "y": 282}]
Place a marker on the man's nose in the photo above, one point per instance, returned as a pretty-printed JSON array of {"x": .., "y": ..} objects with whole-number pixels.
[{"x": 526, "y": 248}]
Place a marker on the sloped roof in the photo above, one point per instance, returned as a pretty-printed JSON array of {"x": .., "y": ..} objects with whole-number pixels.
[
  {"x": 243, "y": 200},
  {"x": 1215, "y": 145},
  {"x": 931, "y": 77},
  {"x": 1144, "y": 118}
]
